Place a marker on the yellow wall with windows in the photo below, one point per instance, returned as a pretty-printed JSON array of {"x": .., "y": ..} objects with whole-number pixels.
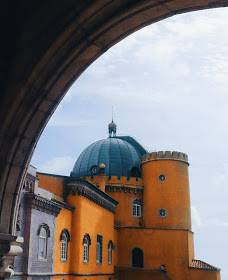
[
  {"x": 160, "y": 247},
  {"x": 63, "y": 221},
  {"x": 90, "y": 218},
  {"x": 124, "y": 210}
]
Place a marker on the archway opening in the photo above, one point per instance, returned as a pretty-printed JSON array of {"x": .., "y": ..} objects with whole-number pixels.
[
  {"x": 45, "y": 77},
  {"x": 179, "y": 110},
  {"x": 137, "y": 258}
]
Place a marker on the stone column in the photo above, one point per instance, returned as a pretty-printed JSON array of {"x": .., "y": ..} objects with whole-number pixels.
[{"x": 10, "y": 246}]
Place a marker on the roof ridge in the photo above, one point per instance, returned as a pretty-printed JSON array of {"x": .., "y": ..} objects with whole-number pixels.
[{"x": 198, "y": 264}]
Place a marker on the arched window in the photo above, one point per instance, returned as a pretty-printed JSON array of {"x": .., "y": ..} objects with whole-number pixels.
[
  {"x": 137, "y": 208},
  {"x": 99, "y": 249},
  {"x": 64, "y": 239},
  {"x": 86, "y": 244},
  {"x": 110, "y": 249},
  {"x": 137, "y": 257},
  {"x": 43, "y": 234}
]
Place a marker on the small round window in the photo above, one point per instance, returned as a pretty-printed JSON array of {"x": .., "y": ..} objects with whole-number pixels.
[
  {"x": 162, "y": 177},
  {"x": 162, "y": 213}
]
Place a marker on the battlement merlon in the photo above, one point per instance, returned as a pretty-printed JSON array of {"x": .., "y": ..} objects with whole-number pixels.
[{"x": 165, "y": 155}]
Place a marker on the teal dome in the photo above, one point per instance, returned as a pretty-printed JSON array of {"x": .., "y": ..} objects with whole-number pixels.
[{"x": 121, "y": 156}]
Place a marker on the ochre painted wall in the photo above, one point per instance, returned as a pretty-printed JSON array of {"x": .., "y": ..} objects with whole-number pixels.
[
  {"x": 160, "y": 247},
  {"x": 114, "y": 180},
  {"x": 200, "y": 274},
  {"x": 90, "y": 218},
  {"x": 86, "y": 277},
  {"x": 123, "y": 215},
  {"x": 171, "y": 194},
  {"x": 63, "y": 221},
  {"x": 141, "y": 274},
  {"x": 51, "y": 183}
]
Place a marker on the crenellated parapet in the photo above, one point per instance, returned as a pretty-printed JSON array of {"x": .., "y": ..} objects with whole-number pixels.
[{"x": 165, "y": 155}]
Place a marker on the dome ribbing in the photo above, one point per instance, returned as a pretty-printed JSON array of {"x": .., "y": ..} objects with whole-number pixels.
[{"x": 121, "y": 158}]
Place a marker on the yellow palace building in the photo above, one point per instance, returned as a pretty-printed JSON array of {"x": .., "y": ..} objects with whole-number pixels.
[{"x": 123, "y": 213}]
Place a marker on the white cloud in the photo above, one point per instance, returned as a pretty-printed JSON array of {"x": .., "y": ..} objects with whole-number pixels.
[
  {"x": 220, "y": 178},
  {"x": 194, "y": 28},
  {"x": 62, "y": 121},
  {"x": 58, "y": 165},
  {"x": 219, "y": 223},
  {"x": 196, "y": 218}
]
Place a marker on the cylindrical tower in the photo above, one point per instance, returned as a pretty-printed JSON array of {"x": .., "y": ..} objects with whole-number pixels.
[{"x": 166, "y": 190}]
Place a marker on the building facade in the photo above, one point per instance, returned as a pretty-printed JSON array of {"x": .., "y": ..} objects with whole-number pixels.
[{"x": 123, "y": 213}]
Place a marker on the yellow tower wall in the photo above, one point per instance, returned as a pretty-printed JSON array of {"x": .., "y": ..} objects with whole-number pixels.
[{"x": 172, "y": 194}]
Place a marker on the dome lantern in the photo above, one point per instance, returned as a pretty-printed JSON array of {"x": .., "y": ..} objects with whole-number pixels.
[{"x": 112, "y": 129}]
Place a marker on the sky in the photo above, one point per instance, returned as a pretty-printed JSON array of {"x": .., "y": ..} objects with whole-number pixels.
[{"x": 168, "y": 84}]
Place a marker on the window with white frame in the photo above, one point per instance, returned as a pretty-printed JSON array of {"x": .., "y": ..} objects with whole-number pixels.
[
  {"x": 63, "y": 247},
  {"x": 43, "y": 234},
  {"x": 99, "y": 249},
  {"x": 64, "y": 239},
  {"x": 110, "y": 249},
  {"x": 137, "y": 208},
  {"x": 86, "y": 244}
]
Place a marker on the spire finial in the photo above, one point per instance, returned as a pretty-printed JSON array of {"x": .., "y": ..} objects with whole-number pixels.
[{"x": 112, "y": 127}]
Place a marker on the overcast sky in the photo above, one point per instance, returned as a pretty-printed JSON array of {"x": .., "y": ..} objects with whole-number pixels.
[{"x": 168, "y": 84}]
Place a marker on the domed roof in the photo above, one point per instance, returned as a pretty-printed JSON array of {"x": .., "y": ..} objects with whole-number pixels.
[{"x": 121, "y": 156}]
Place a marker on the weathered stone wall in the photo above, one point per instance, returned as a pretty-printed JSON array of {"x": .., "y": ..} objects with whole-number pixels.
[{"x": 35, "y": 265}]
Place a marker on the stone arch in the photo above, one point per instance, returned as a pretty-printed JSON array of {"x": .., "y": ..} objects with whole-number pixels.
[
  {"x": 66, "y": 233},
  {"x": 40, "y": 69},
  {"x": 86, "y": 239},
  {"x": 46, "y": 227}
]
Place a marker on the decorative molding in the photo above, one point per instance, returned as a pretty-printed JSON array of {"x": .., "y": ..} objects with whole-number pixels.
[
  {"x": 119, "y": 226},
  {"x": 91, "y": 192},
  {"x": 165, "y": 155},
  {"x": 29, "y": 183},
  {"x": 66, "y": 232},
  {"x": 63, "y": 204},
  {"x": 43, "y": 204},
  {"x": 63, "y": 274},
  {"x": 125, "y": 189},
  {"x": 46, "y": 227}
]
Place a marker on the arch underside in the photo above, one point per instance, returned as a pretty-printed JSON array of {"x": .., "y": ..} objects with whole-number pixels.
[{"x": 47, "y": 45}]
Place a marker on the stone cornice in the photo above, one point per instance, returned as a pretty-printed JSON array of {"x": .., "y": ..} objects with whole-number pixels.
[
  {"x": 91, "y": 192},
  {"x": 63, "y": 204},
  {"x": 125, "y": 189},
  {"x": 63, "y": 274},
  {"x": 121, "y": 227},
  {"x": 43, "y": 204}
]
